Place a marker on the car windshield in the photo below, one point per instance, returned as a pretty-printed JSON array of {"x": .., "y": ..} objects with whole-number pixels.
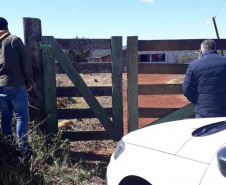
[{"x": 209, "y": 129}]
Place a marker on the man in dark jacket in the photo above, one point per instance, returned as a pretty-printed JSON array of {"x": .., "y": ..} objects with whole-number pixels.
[
  {"x": 205, "y": 82},
  {"x": 15, "y": 81}
]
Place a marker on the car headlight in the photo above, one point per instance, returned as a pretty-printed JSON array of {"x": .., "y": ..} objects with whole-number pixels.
[{"x": 119, "y": 149}]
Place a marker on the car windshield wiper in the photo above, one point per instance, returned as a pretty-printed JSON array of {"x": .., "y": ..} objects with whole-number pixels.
[{"x": 209, "y": 129}]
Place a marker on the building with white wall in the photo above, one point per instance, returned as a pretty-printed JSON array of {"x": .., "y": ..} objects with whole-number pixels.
[{"x": 156, "y": 56}]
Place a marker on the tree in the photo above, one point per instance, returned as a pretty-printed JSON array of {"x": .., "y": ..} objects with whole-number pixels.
[
  {"x": 186, "y": 58},
  {"x": 78, "y": 55},
  {"x": 220, "y": 52}
]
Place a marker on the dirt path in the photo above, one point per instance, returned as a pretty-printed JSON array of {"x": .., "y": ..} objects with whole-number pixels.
[
  {"x": 147, "y": 101},
  {"x": 153, "y": 101}
]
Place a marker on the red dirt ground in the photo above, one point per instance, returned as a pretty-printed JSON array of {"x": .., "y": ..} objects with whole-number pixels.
[{"x": 153, "y": 101}]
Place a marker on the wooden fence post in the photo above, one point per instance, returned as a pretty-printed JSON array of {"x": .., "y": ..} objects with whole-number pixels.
[
  {"x": 132, "y": 82},
  {"x": 48, "y": 57},
  {"x": 32, "y": 39},
  {"x": 117, "y": 100}
]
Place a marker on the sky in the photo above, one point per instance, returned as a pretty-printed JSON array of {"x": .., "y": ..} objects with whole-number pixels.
[{"x": 102, "y": 19}]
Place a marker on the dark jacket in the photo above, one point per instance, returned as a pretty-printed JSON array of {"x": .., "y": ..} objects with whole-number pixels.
[
  {"x": 15, "y": 64},
  {"x": 205, "y": 85}
]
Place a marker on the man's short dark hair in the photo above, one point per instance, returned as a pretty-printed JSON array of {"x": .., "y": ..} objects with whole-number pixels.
[
  {"x": 208, "y": 45},
  {"x": 3, "y": 23}
]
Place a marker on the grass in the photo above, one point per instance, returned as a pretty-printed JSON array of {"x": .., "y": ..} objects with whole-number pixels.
[
  {"x": 55, "y": 163},
  {"x": 38, "y": 169}
]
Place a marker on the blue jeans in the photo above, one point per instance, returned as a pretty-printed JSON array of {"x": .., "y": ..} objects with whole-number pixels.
[
  {"x": 14, "y": 99},
  {"x": 198, "y": 116}
]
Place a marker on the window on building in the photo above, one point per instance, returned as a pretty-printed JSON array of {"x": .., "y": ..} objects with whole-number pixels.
[
  {"x": 144, "y": 58},
  {"x": 158, "y": 58}
]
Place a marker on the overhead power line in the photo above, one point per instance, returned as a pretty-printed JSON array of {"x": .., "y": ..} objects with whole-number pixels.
[
  {"x": 220, "y": 8},
  {"x": 188, "y": 25}
]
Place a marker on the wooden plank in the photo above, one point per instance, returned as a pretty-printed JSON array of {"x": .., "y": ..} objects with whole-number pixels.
[
  {"x": 155, "y": 112},
  {"x": 117, "y": 100},
  {"x": 87, "y": 113},
  {"x": 85, "y": 135},
  {"x": 173, "y": 45},
  {"x": 132, "y": 82},
  {"x": 90, "y": 67},
  {"x": 147, "y": 68},
  {"x": 180, "y": 114},
  {"x": 160, "y": 89},
  {"x": 84, "y": 44},
  {"x": 73, "y": 92},
  {"x": 49, "y": 86},
  {"x": 80, "y": 113},
  {"x": 79, "y": 83},
  {"x": 32, "y": 38}
]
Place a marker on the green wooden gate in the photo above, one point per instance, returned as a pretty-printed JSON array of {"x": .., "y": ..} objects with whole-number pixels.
[{"x": 52, "y": 51}]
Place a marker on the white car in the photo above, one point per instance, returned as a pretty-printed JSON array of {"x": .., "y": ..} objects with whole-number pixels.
[{"x": 185, "y": 152}]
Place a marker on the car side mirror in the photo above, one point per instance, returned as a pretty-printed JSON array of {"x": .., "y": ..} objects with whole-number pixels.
[{"x": 221, "y": 159}]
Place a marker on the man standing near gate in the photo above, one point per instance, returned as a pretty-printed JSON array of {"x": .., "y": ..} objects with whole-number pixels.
[
  {"x": 15, "y": 81},
  {"x": 205, "y": 82}
]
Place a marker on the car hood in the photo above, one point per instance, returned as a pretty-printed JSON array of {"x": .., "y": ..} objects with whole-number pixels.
[{"x": 176, "y": 138}]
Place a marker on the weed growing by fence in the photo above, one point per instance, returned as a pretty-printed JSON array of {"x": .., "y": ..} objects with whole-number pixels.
[{"x": 51, "y": 163}]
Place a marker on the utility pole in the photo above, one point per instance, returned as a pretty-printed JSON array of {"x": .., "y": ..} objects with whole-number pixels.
[{"x": 215, "y": 26}]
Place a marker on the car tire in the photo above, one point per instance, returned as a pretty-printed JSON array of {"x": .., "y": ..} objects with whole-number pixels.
[{"x": 134, "y": 180}]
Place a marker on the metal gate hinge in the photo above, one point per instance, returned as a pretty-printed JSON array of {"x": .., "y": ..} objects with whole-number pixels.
[{"x": 44, "y": 45}]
